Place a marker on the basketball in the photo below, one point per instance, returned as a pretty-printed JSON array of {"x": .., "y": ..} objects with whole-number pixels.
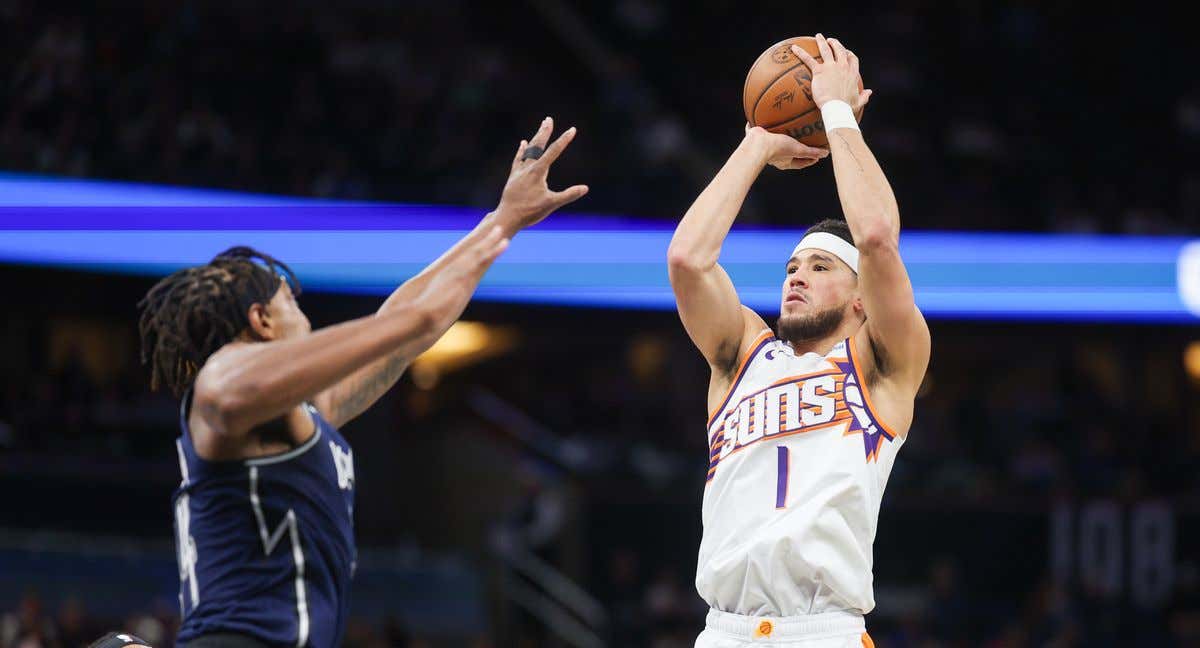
[{"x": 778, "y": 93}]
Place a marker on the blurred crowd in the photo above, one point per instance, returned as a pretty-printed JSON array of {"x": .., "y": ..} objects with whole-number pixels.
[
  {"x": 657, "y": 610},
  {"x": 64, "y": 411},
  {"x": 35, "y": 624},
  {"x": 663, "y": 613},
  {"x": 424, "y": 101}
]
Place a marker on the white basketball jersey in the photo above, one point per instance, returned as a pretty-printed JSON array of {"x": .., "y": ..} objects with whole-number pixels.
[{"x": 798, "y": 463}]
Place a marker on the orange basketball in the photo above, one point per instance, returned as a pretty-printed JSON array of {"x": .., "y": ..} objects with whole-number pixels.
[{"x": 778, "y": 93}]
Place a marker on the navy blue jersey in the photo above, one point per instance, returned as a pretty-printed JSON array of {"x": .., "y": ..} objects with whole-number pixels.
[{"x": 266, "y": 545}]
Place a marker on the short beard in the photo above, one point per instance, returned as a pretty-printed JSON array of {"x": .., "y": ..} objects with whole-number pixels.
[{"x": 808, "y": 328}]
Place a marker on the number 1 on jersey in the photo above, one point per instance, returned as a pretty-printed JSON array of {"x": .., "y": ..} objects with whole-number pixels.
[{"x": 781, "y": 483}]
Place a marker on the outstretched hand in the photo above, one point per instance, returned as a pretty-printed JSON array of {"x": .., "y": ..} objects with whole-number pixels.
[{"x": 527, "y": 198}]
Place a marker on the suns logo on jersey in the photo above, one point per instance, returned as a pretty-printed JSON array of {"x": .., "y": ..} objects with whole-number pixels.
[{"x": 798, "y": 405}]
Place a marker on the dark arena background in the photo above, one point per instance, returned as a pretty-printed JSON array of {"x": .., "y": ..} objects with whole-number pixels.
[{"x": 535, "y": 479}]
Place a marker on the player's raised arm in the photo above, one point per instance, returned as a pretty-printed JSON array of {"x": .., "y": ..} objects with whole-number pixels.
[
  {"x": 708, "y": 304},
  {"x": 898, "y": 334},
  {"x": 244, "y": 385},
  {"x": 526, "y": 200}
]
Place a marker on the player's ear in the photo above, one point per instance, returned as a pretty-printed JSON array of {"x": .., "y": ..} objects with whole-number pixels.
[{"x": 262, "y": 326}]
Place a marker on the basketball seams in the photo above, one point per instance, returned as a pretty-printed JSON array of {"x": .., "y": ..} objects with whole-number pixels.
[
  {"x": 767, "y": 87},
  {"x": 790, "y": 119},
  {"x": 749, "y": 75}
]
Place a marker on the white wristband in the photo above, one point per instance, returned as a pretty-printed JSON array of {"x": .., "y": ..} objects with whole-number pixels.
[{"x": 838, "y": 114}]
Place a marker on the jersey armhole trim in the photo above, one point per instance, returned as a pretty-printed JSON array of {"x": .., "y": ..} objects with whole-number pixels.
[
  {"x": 759, "y": 342},
  {"x": 852, "y": 352},
  {"x": 290, "y": 454},
  {"x": 183, "y": 409},
  {"x": 256, "y": 461}
]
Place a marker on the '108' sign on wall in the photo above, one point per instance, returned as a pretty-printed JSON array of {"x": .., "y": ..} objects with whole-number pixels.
[{"x": 1115, "y": 549}]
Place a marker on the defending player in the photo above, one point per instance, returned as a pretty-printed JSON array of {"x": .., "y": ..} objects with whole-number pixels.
[
  {"x": 805, "y": 421},
  {"x": 263, "y": 517}
]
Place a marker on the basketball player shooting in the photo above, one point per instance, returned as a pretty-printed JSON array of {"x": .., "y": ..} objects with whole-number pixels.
[
  {"x": 805, "y": 421},
  {"x": 263, "y": 516}
]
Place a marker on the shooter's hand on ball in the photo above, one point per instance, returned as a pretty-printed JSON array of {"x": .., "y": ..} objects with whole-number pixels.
[
  {"x": 836, "y": 77},
  {"x": 783, "y": 151},
  {"x": 527, "y": 199}
]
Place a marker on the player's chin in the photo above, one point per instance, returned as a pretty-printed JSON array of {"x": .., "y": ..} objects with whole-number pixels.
[{"x": 794, "y": 307}]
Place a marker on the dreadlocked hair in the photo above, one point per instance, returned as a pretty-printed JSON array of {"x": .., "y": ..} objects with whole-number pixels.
[{"x": 187, "y": 316}]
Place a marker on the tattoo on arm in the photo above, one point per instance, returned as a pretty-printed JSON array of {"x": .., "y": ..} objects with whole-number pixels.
[
  {"x": 359, "y": 393},
  {"x": 851, "y": 151}
]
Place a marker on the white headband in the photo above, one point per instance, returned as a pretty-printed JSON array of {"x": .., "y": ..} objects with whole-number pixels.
[{"x": 832, "y": 244}]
